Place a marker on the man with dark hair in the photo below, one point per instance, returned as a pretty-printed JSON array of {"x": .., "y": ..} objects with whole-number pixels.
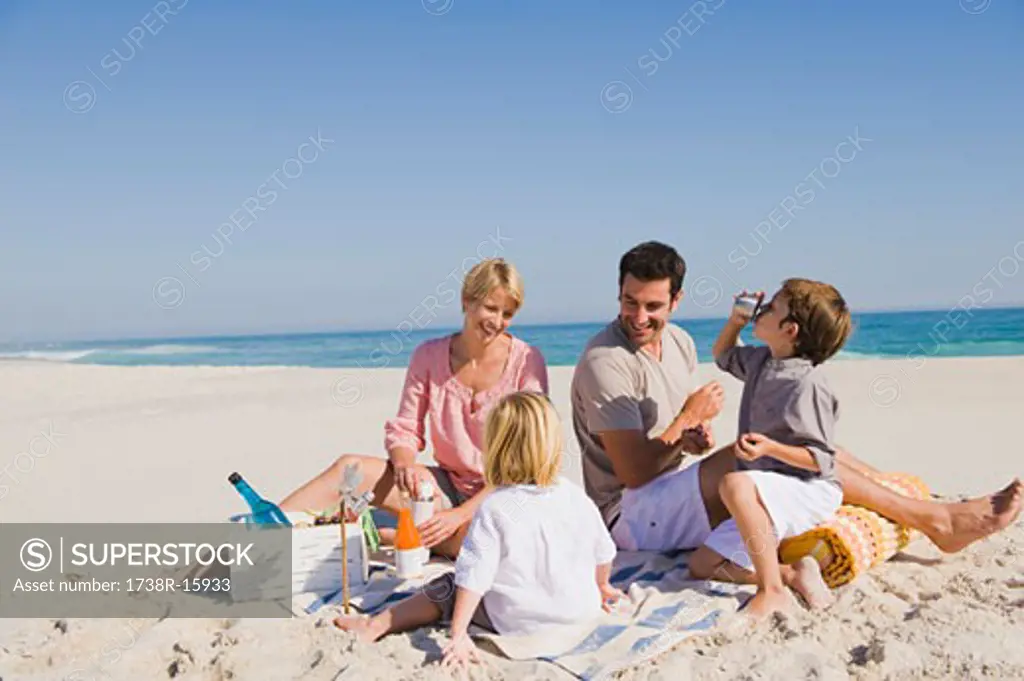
[
  {"x": 637, "y": 412},
  {"x": 652, "y": 261},
  {"x": 636, "y": 407}
]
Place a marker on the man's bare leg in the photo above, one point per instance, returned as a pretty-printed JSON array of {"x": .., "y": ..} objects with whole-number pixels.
[
  {"x": 950, "y": 526},
  {"x": 848, "y": 459}
]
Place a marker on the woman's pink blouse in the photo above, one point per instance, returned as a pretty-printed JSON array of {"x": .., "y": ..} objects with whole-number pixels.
[{"x": 456, "y": 417}]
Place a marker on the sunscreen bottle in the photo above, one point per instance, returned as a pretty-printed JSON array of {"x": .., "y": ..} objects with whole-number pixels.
[{"x": 408, "y": 546}]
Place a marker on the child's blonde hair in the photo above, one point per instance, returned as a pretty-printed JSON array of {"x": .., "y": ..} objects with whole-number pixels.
[
  {"x": 523, "y": 441},
  {"x": 489, "y": 275}
]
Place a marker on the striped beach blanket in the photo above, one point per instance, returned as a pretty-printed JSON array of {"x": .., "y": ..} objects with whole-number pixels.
[{"x": 665, "y": 607}]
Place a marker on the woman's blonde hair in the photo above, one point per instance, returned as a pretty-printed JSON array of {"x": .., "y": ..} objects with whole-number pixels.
[
  {"x": 523, "y": 441},
  {"x": 489, "y": 275}
]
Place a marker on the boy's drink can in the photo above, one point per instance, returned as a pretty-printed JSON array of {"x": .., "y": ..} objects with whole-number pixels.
[{"x": 747, "y": 305}]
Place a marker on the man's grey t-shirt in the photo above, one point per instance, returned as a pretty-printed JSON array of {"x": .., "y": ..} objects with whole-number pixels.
[{"x": 617, "y": 386}]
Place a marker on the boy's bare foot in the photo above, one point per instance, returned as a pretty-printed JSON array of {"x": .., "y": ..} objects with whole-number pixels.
[
  {"x": 360, "y": 625},
  {"x": 808, "y": 582},
  {"x": 767, "y": 601},
  {"x": 969, "y": 521}
]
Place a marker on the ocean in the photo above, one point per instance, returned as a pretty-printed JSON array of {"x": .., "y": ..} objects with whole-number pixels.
[{"x": 977, "y": 333}]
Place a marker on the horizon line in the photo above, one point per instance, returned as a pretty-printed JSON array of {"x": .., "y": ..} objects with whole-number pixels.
[{"x": 327, "y": 332}]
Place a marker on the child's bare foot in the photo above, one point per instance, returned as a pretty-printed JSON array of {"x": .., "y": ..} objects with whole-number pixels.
[
  {"x": 968, "y": 521},
  {"x": 808, "y": 582},
  {"x": 360, "y": 625},
  {"x": 767, "y": 601}
]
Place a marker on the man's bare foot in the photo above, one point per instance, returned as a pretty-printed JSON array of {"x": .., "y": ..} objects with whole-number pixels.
[
  {"x": 969, "y": 521},
  {"x": 360, "y": 625},
  {"x": 767, "y": 601},
  {"x": 808, "y": 582}
]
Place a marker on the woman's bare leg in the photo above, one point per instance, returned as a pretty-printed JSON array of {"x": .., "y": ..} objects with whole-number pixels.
[
  {"x": 950, "y": 526},
  {"x": 321, "y": 492}
]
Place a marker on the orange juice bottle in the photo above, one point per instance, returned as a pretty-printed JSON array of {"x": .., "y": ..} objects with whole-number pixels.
[{"x": 408, "y": 546}]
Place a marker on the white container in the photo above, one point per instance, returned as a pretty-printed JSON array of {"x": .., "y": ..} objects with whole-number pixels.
[
  {"x": 409, "y": 563},
  {"x": 316, "y": 558},
  {"x": 316, "y": 561}
]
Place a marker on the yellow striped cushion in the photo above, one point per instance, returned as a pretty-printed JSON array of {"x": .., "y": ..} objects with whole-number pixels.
[{"x": 855, "y": 539}]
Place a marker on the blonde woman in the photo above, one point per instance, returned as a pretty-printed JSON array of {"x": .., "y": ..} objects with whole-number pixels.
[
  {"x": 450, "y": 386},
  {"x": 537, "y": 552}
]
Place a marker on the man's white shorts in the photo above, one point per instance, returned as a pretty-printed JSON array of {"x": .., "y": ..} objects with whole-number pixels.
[
  {"x": 794, "y": 506},
  {"x": 668, "y": 513},
  {"x": 665, "y": 514}
]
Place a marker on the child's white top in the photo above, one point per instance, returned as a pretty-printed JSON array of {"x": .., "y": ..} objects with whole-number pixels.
[{"x": 532, "y": 552}]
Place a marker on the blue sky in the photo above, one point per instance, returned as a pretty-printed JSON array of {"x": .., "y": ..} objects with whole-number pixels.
[{"x": 565, "y": 132}]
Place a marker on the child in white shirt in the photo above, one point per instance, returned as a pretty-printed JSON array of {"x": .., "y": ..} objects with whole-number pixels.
[{"x": 536, "y": 553}]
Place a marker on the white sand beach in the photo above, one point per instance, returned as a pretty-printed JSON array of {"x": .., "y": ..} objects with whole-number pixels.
[{"x": 85, "y": 443}]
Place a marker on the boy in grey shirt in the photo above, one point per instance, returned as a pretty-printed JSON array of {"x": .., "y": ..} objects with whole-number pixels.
[{"x": 785, "y": 482}]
